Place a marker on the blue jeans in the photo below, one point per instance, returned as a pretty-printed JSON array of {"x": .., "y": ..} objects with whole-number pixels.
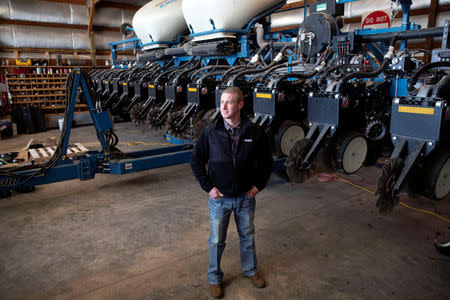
[{"x": 219, "y": 216}]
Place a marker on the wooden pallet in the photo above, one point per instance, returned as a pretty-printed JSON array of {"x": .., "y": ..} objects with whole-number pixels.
[{"x": 42, "y": 154}]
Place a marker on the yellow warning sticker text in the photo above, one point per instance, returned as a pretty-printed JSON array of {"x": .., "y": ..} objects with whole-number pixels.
[
  {"x": 416, "y": 110},
  {"x": 263, "y": 95}
]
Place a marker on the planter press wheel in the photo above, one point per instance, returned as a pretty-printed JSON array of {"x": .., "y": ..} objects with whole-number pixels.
[
  {"x": 385, "y": 194},
  {"x": 294, "y": 168},
  {"x": 151, "y": 118},
  {"x": 172, "y": 119},
  {"x": 351, "y": 152},
  {"x": 205, "y": 120},
  {"x": 288, "y": 134},
  {"x": 436, "y": 174},
  {"x": 134, "y": 114}
]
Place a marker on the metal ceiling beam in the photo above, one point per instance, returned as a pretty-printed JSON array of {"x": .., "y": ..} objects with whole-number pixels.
[
  {"x": 299, "y": 4},
  {"x": 91, "y": 37},
  {"x": 76, "y": 2},
  {"x": 56, "y": 25},
  {"x": 108, "y": 4},
  {"x": 118, "y": 5},
  {"x": 91, "y": 8}
]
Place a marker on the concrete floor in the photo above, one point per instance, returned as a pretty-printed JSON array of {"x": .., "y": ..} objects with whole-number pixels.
[{"x": 144, "y": 236}]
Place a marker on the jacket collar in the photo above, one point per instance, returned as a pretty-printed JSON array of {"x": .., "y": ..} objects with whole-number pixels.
[{"x": 245, "y": 123}]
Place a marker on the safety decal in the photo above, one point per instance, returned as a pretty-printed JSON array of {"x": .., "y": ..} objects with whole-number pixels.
[{"x": 416, "y": 110}]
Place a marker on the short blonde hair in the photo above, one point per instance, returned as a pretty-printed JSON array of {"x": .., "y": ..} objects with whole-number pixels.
[{"x": 235, "y": 91}]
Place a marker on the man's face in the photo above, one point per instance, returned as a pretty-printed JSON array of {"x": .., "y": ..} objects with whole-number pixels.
[{"x": 230, "y": 108}]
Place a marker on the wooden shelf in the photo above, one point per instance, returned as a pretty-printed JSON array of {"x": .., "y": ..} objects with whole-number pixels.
[
  {"x": 38, "y": 89},
  {"x": 39, "y": 95},
  {"x": 48, "y": 91},
  {"x": 63, "y": 107},
  {"x": 36, "y": 83},
  {"x": 35, "y": 78},
  {"x": 38, "y": 101}
]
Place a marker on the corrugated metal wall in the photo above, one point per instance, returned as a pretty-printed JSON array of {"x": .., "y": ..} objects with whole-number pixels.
[{"x": 53, "y": 12}]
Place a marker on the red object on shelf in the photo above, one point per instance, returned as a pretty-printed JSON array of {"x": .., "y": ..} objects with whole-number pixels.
[{"x": 21, "y": 71}]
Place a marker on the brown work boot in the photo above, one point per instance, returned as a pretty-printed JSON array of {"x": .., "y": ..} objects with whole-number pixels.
[
  {"x": 216, "y": 290},
  {"x": 257, "y": 280}
]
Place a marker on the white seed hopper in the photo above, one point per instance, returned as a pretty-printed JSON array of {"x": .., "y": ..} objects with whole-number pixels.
[
  {"x": 200, "y": 15},
  {"x": 159, "y": 21}
]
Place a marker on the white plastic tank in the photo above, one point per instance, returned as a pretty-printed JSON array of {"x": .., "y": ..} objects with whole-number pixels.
[
  {"x": 159, "y": 20},
  {"x": 225, "y": 14}
]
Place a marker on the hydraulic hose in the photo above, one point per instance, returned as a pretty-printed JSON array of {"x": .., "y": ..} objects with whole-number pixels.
[
  {"x": 111, "y": 75},
  {"x": 442, "y": 83},
  {"x": 413, "y": 80},
  {"x": 149, "y": 73},
  {"x": 123, "y": 74},
  {"x": 236, "y": 68},
  {"x": 231, "y": 82},
  {"x": 137, "y": 71},
  {"x": 283, "y": 65},
  {"x": 295, "y": 75},
  {"x": 210, "y": 67},
  {"x": 253, "y": 63},
  {"x": 170, "y": 71},
  {"x": 175, "y": 72},
  {"x": 374, "y": 73},
  {"x": 159, "y": 68},
  {"x": 320, "y": 82},
  {"x": 142, "y": 72},
  {"x": 210, "y": 74},
  {"x": 318, "y": 68},
  {"x": 198, "y": 63},
  {"x": 276, "y": 60}
]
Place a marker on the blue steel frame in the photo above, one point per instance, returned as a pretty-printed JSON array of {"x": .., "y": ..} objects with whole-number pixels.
[
  {"x": 177, "y": 141},
  {"x": 398, "y": 86},
  {"x": 85, "y": 167},
  {"x": 136, "y": 45},
  {"x": 176, "y": 42}
]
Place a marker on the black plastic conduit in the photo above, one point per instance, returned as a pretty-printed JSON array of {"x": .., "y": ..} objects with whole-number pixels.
[
  {"x": 413, "y": 80},
  {"x": 374, "y": 73}
]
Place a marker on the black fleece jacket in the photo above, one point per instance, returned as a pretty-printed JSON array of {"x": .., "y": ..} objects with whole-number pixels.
[{"x": 252, "y": 165}]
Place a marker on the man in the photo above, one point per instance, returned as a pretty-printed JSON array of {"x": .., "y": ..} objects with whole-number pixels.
[{"x": 240, "y": 163}]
